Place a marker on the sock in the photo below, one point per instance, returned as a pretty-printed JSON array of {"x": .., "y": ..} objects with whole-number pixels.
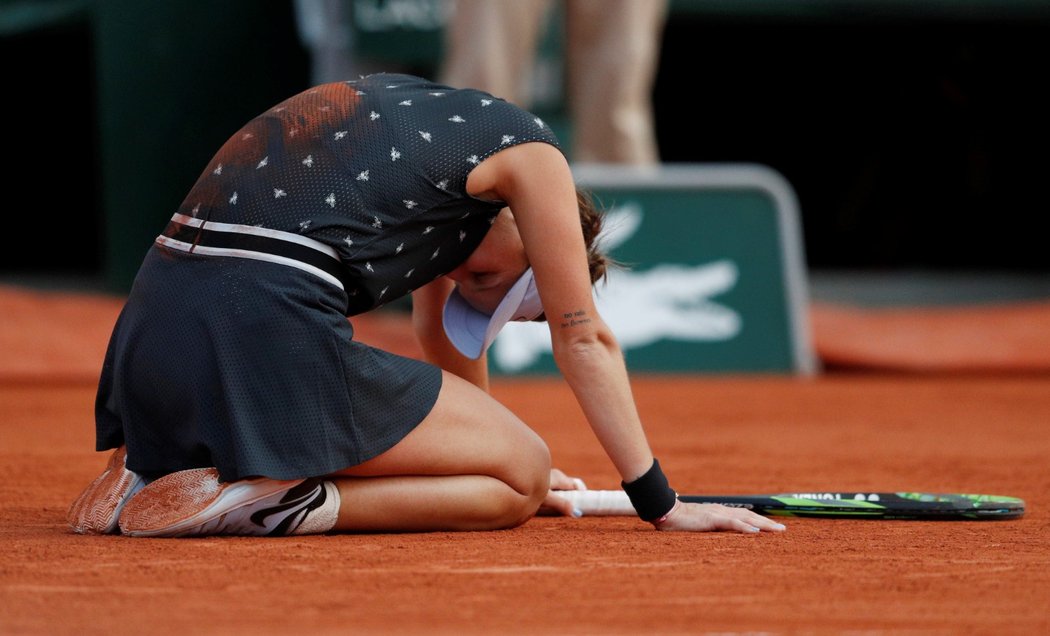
[{"x": 321, "y": 519}]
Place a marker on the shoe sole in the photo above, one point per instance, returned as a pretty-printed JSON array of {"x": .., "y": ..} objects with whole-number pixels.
[
  {"x": 98, "y": 507},
  {"x": 175, "y": 504}
]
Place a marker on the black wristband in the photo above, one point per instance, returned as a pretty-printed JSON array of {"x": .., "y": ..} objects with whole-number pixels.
[{"x": 650, "y": 494}]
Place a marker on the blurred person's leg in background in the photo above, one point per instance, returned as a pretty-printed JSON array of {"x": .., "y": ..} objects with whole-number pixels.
[
  {"x": 612, "y": 52},
  {"x": 491, "y": 45},
  {"x": 612, "y": 56}
]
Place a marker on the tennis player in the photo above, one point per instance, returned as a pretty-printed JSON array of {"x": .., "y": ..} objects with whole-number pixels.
[{"x": 233, "y": 393}]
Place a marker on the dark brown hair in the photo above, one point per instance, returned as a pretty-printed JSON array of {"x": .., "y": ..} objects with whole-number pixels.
[{"x": 591, "y": 220}]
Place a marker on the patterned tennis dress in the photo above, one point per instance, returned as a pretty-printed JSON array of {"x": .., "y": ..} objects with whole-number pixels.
[{"x": 234, "y": 349}]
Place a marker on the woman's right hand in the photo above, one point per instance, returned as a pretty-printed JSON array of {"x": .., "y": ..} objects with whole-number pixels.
[{"x": 714, "y": 517}]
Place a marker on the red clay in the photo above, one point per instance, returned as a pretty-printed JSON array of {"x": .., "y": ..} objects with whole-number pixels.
[
  {"x": 970, "y": 414},
  {"x": 1009, "y": 337},
  {"x": 593, "y": 575}
]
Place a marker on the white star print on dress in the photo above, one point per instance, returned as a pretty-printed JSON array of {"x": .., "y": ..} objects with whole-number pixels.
[{"x": 428, "y": 178}]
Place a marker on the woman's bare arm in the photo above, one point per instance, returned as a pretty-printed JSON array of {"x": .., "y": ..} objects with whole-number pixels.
[
  {"x": 427, "y": 304},
  {"x": 535, "y": 181}
]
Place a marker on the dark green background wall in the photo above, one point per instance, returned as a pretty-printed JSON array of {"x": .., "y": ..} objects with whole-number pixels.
[
  {"x": 913, "y": 138},
  {"x": 175, "y": 80},
  {"x": 115, "y": 106}
]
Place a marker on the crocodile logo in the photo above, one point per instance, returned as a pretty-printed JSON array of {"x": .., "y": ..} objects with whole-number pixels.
[{"x": 641, "y": 306}]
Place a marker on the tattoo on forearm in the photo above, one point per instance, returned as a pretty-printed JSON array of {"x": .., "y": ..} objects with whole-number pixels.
[{"x": 575, "y": 318}]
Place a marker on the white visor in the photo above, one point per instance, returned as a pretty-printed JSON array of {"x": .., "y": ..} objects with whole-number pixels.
[{"x": 472, "y": 331}]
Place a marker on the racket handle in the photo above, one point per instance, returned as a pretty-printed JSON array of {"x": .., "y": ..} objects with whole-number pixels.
[{"x": 600, "y": 503}]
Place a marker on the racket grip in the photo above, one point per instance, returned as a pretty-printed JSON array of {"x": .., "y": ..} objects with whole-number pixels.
[{"x": 600, "y": 503}]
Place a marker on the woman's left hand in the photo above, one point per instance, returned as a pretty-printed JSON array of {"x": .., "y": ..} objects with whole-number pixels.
[
  {"x": 710, "y": 517},
  {"x": 555, "y": 505}
]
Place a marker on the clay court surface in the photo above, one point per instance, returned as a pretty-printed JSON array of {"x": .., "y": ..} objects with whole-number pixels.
[{"x": 972, "y": 425}]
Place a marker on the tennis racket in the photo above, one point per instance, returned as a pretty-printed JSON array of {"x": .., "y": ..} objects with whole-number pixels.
[{"x": 828, "y": 505}]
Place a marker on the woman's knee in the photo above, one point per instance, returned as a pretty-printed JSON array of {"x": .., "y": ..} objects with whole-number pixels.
[
  {"x": 530, "y": 484},
  {"x": 528, "y": 463}
]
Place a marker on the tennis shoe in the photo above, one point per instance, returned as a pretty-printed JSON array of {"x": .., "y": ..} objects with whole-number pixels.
[
  {"x": 194, "y": 502},
  {"x": 97, "y": 509}
]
